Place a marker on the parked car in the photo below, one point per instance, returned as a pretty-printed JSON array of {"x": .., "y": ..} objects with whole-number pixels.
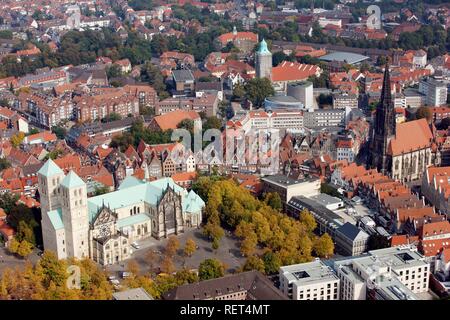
[
  {"x": 126, "y": 274},
  {"x": 111, "y": 278},
  {"x": 135, "y": 245}
]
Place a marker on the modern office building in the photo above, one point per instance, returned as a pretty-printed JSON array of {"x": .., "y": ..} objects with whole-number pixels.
[{"x": 309, "y": 281}]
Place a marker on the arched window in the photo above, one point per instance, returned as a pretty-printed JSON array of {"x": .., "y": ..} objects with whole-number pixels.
[{"x": 397, "y": 163}]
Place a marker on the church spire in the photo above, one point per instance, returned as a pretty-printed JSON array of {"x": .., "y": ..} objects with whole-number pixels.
[{"x": 383, "y": 128}]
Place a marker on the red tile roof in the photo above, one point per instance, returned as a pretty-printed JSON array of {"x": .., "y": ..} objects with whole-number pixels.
[
  {"x": 410, "y": 136},
  {"x": 292, "y": 71}
]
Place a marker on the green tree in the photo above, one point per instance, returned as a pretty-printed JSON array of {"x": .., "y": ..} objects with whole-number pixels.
[
  {"x": 258, "y": 89},
  {"x": 113, "y": 71},
  {"x": 60, "y": 132},
  {"x": 101, "y": 190},
  {"x": 238, "y": 92},
  {"x": 113, "y": 116},
  {"x": 212, "y": 123},
  {"x": 272, "y": 262},
  {"x": 210, "y": 269}
]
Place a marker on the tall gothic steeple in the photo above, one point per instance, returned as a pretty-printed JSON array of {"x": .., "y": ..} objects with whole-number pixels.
[{"x": 383, "y": 129}]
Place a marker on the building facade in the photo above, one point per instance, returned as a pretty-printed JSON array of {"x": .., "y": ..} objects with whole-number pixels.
[{"x": 103, "y": 227}]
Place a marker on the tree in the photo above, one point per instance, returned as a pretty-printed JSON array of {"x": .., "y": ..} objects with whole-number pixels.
[
  {"x": 4, "y": 164},
  {"x": 307, "y": 219},
  {"x": 113, "y": 116},
  {"x": 258, "y": 89},
  {"x": 25, "y": 233},
  {"x": 248, "y": 245},
  {"x": 151, "y": 258},
  {"x": 17, "y": 139},
  {"x": 238, "y": 92},
  {"x": 101, "y": 190},
  {"x": 173, "y": 244},
  {"x": 273, "y": 200},
  {"x": 24, "y": 249},
  {"x": 60, "y": 132},
  {"x": 114, "y": 71},
  {"x": 212, "y": 123},
  {"x": 272, "y": 262},
  {"x": 190, "y": 247},
  {"x": 210, "y": 269},
  {"x": 133, "y": 267},
  {"x": 254, "y": 263},
  {"x": 167, "y": 265},
  {"x": 324, "y": 246},
  {"x": 13, "y": 245},
  {"x": 424, "y": 112}
]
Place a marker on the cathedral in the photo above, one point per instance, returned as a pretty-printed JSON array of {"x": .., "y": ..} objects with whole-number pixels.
[
  {"x": 103, "y": 227},
  {"x": 402, "y": 151}
]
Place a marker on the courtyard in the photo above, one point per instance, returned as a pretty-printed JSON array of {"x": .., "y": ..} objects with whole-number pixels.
[{"x": 228, "y": 253}]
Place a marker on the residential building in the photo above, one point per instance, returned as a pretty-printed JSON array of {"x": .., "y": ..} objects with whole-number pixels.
[
  {"x": 343, "y": 100},
  {"x": 244, "y": 41},
  {"x": 184, "y": 82},
  {"x": 434, "y": 90}
]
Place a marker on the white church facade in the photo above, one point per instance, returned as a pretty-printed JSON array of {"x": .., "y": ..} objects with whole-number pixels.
[{"x": 103, "y": 227}]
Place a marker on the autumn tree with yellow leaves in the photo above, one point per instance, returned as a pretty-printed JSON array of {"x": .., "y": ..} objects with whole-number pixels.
[{"x": 267, "y": 236}]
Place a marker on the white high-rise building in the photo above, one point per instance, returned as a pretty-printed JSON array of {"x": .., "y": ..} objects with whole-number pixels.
[{"x": 435, "y": 91}]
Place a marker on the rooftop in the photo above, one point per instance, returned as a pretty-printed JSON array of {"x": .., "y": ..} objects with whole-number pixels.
[
  {"x": 308, "y": 273},
  {"x": 350, "y": 58},
  {"x": 285, "y": 181},
  {"x": 132, "y": 294}
]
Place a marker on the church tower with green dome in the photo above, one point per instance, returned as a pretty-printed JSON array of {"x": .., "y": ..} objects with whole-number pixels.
[{"x": 263, "y": 61}]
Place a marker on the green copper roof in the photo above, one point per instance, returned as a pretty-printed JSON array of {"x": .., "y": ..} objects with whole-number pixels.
[
  {"x": 56, "y": 219},
  {"x": 129, "y": 182},
  {"x": 132, "y": 220},
  {"x": 263, "y": 47},
  {"x": 132, "y": 192},
  {"x": 50, "y": 169},
  {"x": 72, "y": 180},
  {"x": 193, "y": 203}
]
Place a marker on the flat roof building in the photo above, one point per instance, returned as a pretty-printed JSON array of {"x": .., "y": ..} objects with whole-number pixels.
[
  {"x": 287, "y": 187},
  {"x": 309, "y": 281},
  {"x": 396, "y": 273},
  {"x": 347, "y": 57}
]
